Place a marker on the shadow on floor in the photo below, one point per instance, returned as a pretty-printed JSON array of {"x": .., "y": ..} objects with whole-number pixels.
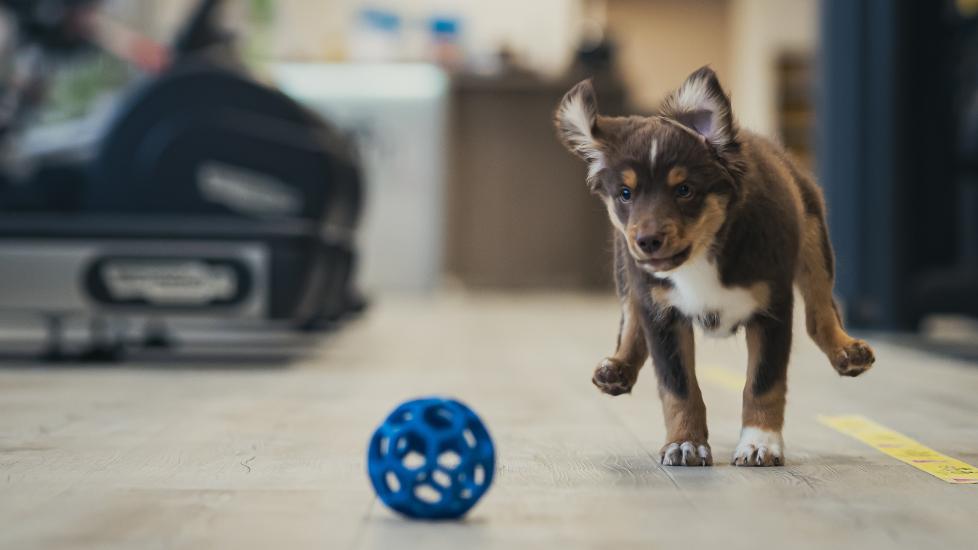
[{"x": 239, "y": 356}]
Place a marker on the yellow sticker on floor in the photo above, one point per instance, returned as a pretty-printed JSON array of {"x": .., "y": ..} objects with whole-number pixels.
[{"x": 903, "y": 448}]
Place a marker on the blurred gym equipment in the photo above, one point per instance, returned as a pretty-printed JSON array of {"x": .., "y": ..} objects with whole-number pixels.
[{"x": 204, "y": 194}]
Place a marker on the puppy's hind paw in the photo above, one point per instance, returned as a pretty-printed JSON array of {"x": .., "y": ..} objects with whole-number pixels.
[
  {"x": 614, "y": 377},
  {"x": 686, "y": 453},
  {"x": 853, "y": 359}
]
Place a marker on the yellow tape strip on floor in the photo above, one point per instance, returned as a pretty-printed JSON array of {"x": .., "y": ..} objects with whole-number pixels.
[
  {"x": 903, "y": 448},
  {"x": 722, "y": 377}
]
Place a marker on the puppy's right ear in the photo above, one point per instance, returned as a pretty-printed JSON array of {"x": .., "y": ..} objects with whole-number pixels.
[{"x": 576, "y": 119}]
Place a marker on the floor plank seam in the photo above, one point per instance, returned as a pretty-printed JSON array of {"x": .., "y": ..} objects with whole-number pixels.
[{"x": 362, "y": 529}]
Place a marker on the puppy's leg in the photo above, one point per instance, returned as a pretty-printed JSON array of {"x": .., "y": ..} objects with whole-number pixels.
[
  {"x": 768, "y": 348},
  {"x": 670, "y": 342},
  {"x": 617, "y": 374},
  {"x": 816, "y": 277}
]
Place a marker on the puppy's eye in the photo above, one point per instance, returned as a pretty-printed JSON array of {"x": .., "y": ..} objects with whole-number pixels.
[
  {"x": 684, "y": 191},
  {"x": 625, "y": 195}
]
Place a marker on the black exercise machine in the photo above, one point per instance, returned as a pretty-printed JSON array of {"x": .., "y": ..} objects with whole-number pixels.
[{"x": 206, "y": 194}]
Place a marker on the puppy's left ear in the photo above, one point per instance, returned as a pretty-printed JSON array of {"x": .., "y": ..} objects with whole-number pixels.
[
  {"x": 701, "y": 105},
  {"x": 577, "y": 125}
]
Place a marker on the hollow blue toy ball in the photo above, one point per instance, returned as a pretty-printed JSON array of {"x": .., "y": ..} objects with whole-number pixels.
[{"x": 432, "y": 458}]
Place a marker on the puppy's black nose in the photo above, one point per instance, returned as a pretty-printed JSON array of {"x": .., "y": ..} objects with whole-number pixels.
[{"x": 650, "y": 243}]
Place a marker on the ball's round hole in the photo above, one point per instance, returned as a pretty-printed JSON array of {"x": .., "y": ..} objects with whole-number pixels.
[
  {"x": 438, "y": 417},
  {"x": 409, "y": 442},
  {"x": 479, "y": 475},
  {"x": 449, "y": 459},
  {"x": 466, "y": 493},
  {"x": 469, "y": 437},
  {"x": 393, "y": 484},
  {"x": 427, "y": 493},
  {"x": 385, "y": 443},
  {"x": 442, "y": 479},
  {"x": 402, "y": 417},
  {"x": 413, "y": 460}
]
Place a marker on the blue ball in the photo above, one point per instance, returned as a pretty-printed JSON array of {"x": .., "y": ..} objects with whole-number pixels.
[{"x": 432, "y": 459}]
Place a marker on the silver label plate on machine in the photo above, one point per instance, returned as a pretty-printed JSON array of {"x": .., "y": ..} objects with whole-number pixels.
[
  {"x": 209, "y": 278},
  {"x": 169, "y": 282}
]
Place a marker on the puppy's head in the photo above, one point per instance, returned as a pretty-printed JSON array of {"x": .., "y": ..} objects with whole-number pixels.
[{"x": 667, "y": 180}]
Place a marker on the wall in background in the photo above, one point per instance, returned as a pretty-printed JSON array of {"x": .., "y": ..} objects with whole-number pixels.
[
  {"x": 506, "y": 161},
  {"x": 542, "y": 33},
  {"x": 661, "y": 41},
  {"x": 761, "y": 31}
]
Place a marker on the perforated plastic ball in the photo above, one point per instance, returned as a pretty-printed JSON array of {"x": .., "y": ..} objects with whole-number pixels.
[{"x": 432, "y": 458}]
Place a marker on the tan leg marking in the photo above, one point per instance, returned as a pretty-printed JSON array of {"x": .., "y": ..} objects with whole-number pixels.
[
  {"x": 849, "y": 356},
  {"x": 686, "y": 432},
  {"x": 617, "y": 374},
  {"x": 761, "y": 411},
  {"x": 761, "y": 293},
  {"x": 763, "y": 415}
]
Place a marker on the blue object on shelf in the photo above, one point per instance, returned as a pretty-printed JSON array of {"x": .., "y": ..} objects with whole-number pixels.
[
  {"x": 380, "y": 19},
  {"x": 432, "y": 458},
  {"x": 444, "y": 26}
]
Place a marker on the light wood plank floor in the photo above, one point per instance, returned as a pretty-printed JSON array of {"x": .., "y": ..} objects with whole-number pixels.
[{"x": 199, "y": 453}]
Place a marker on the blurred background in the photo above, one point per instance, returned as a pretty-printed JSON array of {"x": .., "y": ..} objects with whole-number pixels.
[{"x": 287, "y": 163}]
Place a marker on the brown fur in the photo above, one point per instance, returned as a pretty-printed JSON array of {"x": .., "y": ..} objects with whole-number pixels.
[
  {"x": 701, "y": 187},
  {"x": 685, "y": 417},
  {"x": 629, "y": 178},
  {"x": 677, "y": 175},
  {"x": 849, "y": 356},
  {"x": 703, "y": 232},
  {"x": 631, "y": 346},
  {"x": 617, "y": 374},
  {"x": 765, "y": 411},
  {"x": 660, "y": 294},
  {"x": 761, "y": 292}
]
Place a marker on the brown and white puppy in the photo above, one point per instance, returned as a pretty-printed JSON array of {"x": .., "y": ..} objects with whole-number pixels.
[{"x": 714, "y": 227}]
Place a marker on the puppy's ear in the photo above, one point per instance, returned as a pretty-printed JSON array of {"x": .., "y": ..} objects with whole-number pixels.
[
  {"x": 577, "y": 124},
  {"x": 701, "y": 105}
]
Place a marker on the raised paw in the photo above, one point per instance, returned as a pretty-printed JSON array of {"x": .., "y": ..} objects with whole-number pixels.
[
  {"x": 686, "y": 453},
  {"x": 614, "y": 377},
  {"x": 853, "y": 359},
  {"x": 759, "y": 447}
]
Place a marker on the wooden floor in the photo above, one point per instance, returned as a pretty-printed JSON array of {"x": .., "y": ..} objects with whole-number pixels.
[{"x": 206, "y": 451}]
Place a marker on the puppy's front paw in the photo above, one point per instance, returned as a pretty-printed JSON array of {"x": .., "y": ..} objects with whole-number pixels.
[
  {"x": 614, "y": 377},
  {"x": 686, "y": 453},
  {"x": 759, "y": 447},
  {"x": 853, "y": 359}
]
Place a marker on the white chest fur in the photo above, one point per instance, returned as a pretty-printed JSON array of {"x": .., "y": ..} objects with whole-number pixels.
[{"x": 698, "y": 293}]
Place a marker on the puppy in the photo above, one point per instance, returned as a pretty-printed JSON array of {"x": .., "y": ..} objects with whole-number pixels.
[{"x": 714, "y": 225}]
